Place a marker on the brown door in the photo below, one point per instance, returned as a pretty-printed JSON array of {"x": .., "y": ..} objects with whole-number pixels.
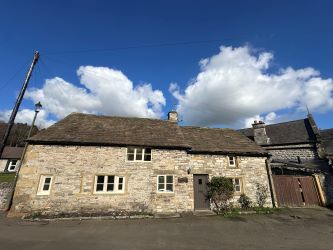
[
  {"x": 295, "y": 191},
  {"x": 200, "y": 191}
]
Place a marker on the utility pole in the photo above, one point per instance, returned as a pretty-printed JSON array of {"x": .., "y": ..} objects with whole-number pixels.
[{"x": 18, "y": 102}]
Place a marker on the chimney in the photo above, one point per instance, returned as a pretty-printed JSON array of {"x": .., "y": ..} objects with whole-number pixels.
[
  {"x": 259, "y": 131},
  {"x": 173, "y": 116}
]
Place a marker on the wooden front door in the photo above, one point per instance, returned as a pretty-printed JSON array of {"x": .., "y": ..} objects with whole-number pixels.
[
  {"x": 200, "y": 191},
  {"x": 295, "y": 191}
]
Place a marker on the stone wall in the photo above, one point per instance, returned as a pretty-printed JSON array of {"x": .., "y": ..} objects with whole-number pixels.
[
  {"x": 5, "y": 191},
  {"x": 74, "y": 168},
  {"x": 3, "y": 164},
  {"x": 290, "y": 152}
]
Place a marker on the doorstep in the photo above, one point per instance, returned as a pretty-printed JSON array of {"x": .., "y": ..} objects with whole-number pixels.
[{"x": 205, "y": 212}]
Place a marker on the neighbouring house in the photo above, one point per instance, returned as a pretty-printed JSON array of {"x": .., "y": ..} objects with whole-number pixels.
[
  {"x": 326, "y": 136},
  {"x": 99, "y": 164},
  {"x": 10, "y": 158},
  {"x": 301, "y": 175}
]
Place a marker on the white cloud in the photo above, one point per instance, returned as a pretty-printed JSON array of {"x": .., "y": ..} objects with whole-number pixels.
[
  {"x": 103, "y": 91},
  {"x": 235, "y": 86}
]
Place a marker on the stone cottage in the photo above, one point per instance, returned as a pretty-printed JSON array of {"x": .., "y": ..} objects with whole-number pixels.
[
  {"x": 302, "y": 176},
  {"x": 97, "y": 164}
]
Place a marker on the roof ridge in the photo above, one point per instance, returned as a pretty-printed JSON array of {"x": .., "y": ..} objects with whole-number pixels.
[
  {"x": 208, "y": 128},
  {"x": 115, "y": 116}
]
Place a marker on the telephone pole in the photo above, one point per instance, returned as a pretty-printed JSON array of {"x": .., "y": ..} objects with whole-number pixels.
[{"x": 18, "y": 102}]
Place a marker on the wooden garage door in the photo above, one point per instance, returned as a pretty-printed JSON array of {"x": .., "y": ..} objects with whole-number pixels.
[{"x": 295, "y": 191}]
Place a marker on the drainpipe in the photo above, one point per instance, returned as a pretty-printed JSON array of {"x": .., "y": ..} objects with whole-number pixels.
[{"x": 270, "y": 181}]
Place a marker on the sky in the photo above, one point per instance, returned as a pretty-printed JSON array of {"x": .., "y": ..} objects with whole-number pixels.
[{"x": 218, "y": 63}]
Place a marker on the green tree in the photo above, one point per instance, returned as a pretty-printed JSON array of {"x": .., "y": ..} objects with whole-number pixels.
[{"x": 220, "y": 191}]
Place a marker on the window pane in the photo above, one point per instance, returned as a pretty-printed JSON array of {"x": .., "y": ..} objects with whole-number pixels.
[
  {"x": 47, "y": 180},
  {"x": 99, "y": 187},
  {"x": 46, "y": 187},
  {"x": 110, "y": 187},
  {"x": 130, "y": 150},
  {"x": 236, "y": 181},
  {"x": 161, "y": 179},
  {"x": 12, "y": 167},
  {"x": 148, "y": 151},
  {"x": 237, "y": 188},
  {"x": 120, "y": 187},
  {"x": 147, "y": 157},
  {"x": 169, "y": 187},
  {"x": 169, "y": 179},
  {"x": 138, "y": 157},
  {"x": 111, "y": 179},
  {"x": 121, "y": 180},
  {"x": 139, "y": 151},
  {"x": 100, "y": 179},
  {"x": 160, "y": 187},
  {"x": 130, "y": 157}
]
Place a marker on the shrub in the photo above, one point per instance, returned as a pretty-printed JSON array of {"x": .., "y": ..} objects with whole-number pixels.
[
  {"x": 220, "y": 191},
  {"x": 244, "y": 201},
  {"x": 261, "y": 194}
]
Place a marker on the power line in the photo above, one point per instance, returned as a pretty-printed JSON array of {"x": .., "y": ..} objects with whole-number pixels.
[
  {"x": 134, "y": 47},
  {"x": 5, "y": 83}
]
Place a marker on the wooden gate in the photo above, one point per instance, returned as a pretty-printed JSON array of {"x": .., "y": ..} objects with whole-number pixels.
[{"x": 295, "y": 191}]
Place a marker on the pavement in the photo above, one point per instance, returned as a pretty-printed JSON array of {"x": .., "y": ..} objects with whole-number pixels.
[{"x": 310, "y": 228}]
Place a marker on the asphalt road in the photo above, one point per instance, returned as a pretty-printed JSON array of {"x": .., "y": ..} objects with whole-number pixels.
[{"x": 289, "y": 229}]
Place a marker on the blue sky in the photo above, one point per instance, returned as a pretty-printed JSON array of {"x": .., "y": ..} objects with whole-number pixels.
[{"x": 143, "y": 58}]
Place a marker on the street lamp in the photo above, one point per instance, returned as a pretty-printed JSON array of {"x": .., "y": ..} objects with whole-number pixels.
[{"x": 38, "y": 107}]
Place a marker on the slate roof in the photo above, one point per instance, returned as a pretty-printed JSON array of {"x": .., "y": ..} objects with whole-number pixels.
[
  {"x": 84, "y": 129},
  {"x": 326, "y": 136},
  {"x": 292, "y": 132},
  {"x": 12, "y": 152},
  {"x": 216, "y": 140}
]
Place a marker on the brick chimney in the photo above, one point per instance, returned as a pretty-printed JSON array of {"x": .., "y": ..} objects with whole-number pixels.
[
  {"x": 173, "y": 116},
  {"x": 259, "y": 132}
]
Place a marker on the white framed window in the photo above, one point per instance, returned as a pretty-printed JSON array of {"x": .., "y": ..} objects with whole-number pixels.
[
  {"x": 232, "y": 161},
  {"x": 138, "y": 154},
  {"x": 237, "y": 182},
  {"x": 12, "y": 164},
  {"x": 45, "y": 183},
  {"x": 165, "y": 183},
  {"x": 109, "y": 184}
]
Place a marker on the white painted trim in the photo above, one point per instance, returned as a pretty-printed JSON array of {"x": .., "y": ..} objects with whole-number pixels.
[
  {"x": 143, "y": 155},
  {"x": 115, "y": 184},
  {"x": 165, "y": 183},
  {"x": 41, "y": 184}
]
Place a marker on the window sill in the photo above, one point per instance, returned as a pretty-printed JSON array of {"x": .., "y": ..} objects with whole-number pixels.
[
  {"x": 165, "y": 193},
  {"x": 138, "y": 161},
  {"x": 109, "y": 193}
]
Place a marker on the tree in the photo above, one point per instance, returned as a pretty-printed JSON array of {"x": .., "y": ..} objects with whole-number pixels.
[
  {"x": 261, "y": 194},
  {"x": 220, "y": 191}
]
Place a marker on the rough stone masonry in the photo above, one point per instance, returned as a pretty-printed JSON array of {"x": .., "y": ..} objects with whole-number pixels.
[{"x": 74, "y": 168}]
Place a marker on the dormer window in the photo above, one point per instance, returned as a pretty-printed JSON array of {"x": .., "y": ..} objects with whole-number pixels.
[{"x": 138, "y": 154}]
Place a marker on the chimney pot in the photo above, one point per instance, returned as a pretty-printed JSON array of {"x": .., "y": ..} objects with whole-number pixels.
[{"x": 173, "y": 116}]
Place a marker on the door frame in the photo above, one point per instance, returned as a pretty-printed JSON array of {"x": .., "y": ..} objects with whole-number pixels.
[{"x": 195, "y": 194}]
